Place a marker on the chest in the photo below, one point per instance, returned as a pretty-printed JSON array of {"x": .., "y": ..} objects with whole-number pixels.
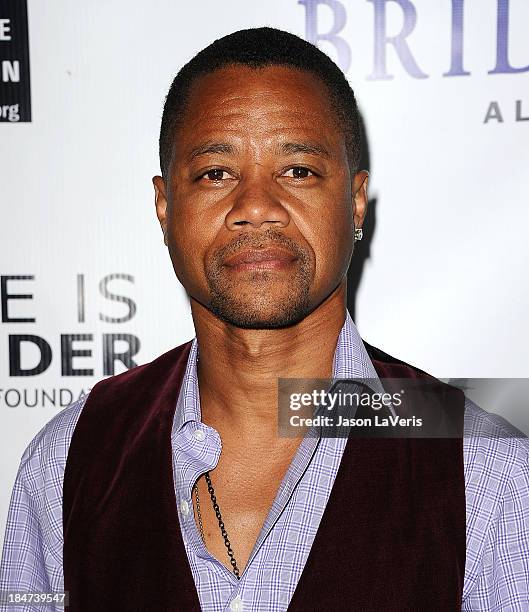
[{"x": 231, "y": 505}]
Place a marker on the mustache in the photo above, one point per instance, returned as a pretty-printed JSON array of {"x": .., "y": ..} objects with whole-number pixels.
[{"x": 268, "y": 238}]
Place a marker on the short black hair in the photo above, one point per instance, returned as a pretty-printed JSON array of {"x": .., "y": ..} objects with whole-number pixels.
[{"x": 258, "y": 48}]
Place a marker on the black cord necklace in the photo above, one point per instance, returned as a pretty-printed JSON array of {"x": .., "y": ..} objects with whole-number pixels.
[{"x": 219, "y": 519}]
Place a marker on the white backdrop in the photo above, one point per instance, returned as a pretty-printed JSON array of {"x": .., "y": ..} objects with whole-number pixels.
[{"x": 445, "y": 286}]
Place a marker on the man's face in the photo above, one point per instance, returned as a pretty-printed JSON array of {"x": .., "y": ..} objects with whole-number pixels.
[{"x": 258, "y": 209}]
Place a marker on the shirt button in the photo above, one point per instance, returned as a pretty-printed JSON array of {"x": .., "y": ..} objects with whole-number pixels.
[
  {"x": 184, "y": 507},
  {"x": 236, "y": 605},
  {"x": 199, "y": 434}
]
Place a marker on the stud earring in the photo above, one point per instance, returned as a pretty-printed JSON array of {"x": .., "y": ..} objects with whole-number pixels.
[{"x": 358, "y": 234}]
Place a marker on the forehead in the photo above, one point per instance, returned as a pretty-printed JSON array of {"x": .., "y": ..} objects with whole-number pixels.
[{"x": 258, "y": 102}]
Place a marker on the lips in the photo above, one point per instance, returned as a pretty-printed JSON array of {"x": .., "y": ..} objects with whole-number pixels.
[{"x": 272, "y": 258}]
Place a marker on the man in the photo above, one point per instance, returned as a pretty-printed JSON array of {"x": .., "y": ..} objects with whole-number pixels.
[{"x": 169, "y": 488}]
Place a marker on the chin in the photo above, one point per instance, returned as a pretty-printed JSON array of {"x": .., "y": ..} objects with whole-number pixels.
[{"x": 256, "y": 314}]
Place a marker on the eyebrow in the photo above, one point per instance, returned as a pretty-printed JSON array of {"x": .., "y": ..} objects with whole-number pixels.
[
  {"x": 286, "y": 148},
  {"x": 210, "y": 147},
  {"x": 304, "y": 147}
]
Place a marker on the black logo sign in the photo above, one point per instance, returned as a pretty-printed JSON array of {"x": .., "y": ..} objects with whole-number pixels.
[{"x": 15, "y": 92}]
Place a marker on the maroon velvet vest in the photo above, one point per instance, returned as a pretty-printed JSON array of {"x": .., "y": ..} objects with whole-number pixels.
[{"x": 392, "y": 537}]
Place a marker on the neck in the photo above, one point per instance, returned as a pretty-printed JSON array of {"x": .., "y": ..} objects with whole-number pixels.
[{"x": 238, "y": 368}]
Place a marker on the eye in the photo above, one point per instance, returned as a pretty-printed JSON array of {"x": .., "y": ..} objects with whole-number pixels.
[
  {"x": 299, "y": 172},
  {"x": 215, "y": 174}
]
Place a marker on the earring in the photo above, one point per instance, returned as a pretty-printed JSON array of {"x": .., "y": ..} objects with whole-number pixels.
[{"x": 358, "y": 234}]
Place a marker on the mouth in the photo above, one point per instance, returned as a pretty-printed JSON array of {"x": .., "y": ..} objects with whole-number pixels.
[{"x": 255, "y": 260}]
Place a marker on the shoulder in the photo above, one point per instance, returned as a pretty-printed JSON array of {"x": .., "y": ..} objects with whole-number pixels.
[
  {"x": 48, "y": 450},
  {"x": 494, "y": 449},
  {"x": 391, "y": 367}
]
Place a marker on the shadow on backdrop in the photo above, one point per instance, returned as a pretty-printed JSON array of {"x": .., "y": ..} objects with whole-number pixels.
[{"x": 362, "y": 250}]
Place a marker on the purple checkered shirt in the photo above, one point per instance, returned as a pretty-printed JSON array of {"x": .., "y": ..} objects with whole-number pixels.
[{"x": 497, "y": 500}]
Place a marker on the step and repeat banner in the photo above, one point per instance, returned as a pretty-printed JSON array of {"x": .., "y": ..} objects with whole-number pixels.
[{"x": 86, "y": 285}]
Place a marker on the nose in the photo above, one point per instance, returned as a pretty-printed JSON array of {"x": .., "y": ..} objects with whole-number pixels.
[{"x": 256, "y": 203}]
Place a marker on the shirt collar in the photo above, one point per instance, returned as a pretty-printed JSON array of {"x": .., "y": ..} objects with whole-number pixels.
[
  {"x": 351, "y": 361},
  {"x": 188, "y": 404},
  {"x": 350, "y": 358}
]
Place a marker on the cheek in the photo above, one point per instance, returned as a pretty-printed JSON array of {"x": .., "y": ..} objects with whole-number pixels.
[
  {"x": 189, "y": 239},
  {"x": 332, "y": 243}
]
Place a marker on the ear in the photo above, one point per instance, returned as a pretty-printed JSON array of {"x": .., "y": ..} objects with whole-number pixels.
[
  {"x": 360, "y": 197},
  {"x": 160, "y": 201}
]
